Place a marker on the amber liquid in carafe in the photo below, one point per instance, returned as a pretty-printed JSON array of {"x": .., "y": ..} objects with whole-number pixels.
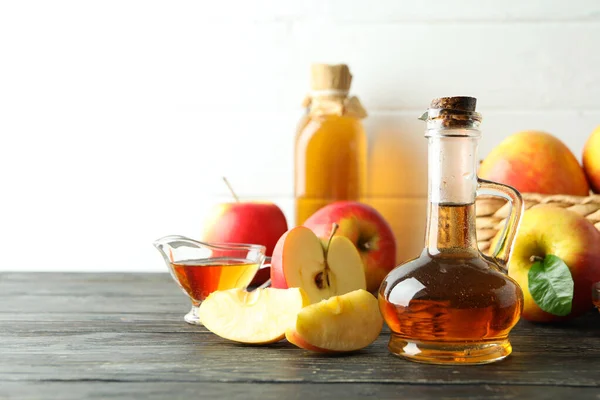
[{"x": 450, "y": 295}]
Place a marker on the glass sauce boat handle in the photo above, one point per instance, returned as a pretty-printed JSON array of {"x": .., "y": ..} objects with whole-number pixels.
[
  {"x": 500, "y": 254},
  {"x": 265, "y": 264}
]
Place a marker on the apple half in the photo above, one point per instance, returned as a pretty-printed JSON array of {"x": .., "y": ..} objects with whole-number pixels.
[
  {"x": 367, "y": 229},
  {"x": 258, "y": 317},
  {"x": 301, "y": 259},
  {"x": 343, "y": 323}
]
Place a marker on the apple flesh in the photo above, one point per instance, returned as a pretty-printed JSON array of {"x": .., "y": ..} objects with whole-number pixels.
[
  {"x": 343, "y": 323},
  {"x": 567, "y": 235},
  {"x": 301, "y": 260},
  {"x": 591, "y": 160},
  {"x": 367, "y": 230},
  {"x": 246, "y": 222},
  {"x": 257, "y": 317},
  {"x": 535, "y": 162}
]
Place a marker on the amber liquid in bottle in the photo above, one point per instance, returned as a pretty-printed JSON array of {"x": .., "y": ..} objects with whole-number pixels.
[
  {"x": 460, "y": 297},
  {"x": 330, "y": 163}
]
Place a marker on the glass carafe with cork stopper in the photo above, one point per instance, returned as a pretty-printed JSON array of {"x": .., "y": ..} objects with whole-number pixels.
[
  {"x": 453, "y": 304},
  {"x": 331, "y": 144}
]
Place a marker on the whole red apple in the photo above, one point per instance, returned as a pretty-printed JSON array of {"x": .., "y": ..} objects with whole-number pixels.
[
  {"x": 567, "y": 235},
  {"x": 367, "y": 230},
  {"x": 246, "y": 222},
  {"x": 591, "y": 160},
  {"x": 535, "y": 162}
]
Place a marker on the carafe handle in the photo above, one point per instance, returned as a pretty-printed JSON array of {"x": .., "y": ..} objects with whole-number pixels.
[{"x": 501, "y": 253}]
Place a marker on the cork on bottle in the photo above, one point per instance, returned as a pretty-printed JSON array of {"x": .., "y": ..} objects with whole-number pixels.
[
  {"x": 453, "y": 112},
  {"x": 331, "y": 77},
  {"x": 330, "y": 85},
  {"x": 459, "y": 103}
]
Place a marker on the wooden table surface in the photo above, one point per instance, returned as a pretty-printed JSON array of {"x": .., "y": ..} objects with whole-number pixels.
[{"x": 74, "y": 336}]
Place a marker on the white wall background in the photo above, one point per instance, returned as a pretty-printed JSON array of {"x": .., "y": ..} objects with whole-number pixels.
[{"x": 118, "y": 118}]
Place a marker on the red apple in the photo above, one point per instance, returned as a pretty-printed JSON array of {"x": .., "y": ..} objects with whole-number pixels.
[
  {"x": 246, "y": 222},
  {"x": 367, "y": 230},
  {"x": 302, "y": 260},
  {"x": 591, "y": 160},
  {"x": 567, "y": 235},
  {"x": 535, "y": 162}
]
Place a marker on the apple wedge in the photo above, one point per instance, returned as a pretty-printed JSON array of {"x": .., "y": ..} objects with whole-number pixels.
[
  {"x": 257, "y": 317},
  {"x": 301, "y": 260},
  {"x": 343, "y": 323}
]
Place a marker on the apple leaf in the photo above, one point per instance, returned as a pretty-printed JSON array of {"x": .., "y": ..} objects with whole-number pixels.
[{"x": 551, "y": 285}]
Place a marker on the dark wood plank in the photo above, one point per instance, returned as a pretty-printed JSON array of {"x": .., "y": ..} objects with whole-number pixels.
[
  {"x": 194, "y": 390},
  {"x": 104, "y": 293},
  {"x": 93, "y": 303},
  {"x": 201, "y": 357},
  {"x": 122, "y": 329},
  {"x": 13, "y": 283}
]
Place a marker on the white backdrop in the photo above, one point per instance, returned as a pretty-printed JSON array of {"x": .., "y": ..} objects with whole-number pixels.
[{"x": 118, "y": 118}]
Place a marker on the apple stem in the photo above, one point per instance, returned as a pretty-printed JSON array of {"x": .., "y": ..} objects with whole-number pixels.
[
  {"x": 237, "y": 199},
  {"x": 536, "y": 258},
  {"x": 334, "y": 229}
]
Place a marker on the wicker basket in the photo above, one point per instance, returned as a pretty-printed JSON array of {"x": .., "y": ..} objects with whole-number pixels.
[{"x": 492, "y": 212}]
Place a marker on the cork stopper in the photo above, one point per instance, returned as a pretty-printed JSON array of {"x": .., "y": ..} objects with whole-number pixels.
[
  {"x": 452, "y": 112},
  {"x": 459, "y": 103},
  {"x": 330, "y": 77}
]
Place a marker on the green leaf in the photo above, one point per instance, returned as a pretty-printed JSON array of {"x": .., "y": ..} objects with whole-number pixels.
[{"x": 551, "y": 285}]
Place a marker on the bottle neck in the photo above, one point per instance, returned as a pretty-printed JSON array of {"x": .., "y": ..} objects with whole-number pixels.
[{"x": 452, "y": 161}]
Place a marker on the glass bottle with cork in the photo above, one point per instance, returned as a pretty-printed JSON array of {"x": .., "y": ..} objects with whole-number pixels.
[
  {"x": 453, "y": 304},
  {"x": 331, "y": 144}
]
